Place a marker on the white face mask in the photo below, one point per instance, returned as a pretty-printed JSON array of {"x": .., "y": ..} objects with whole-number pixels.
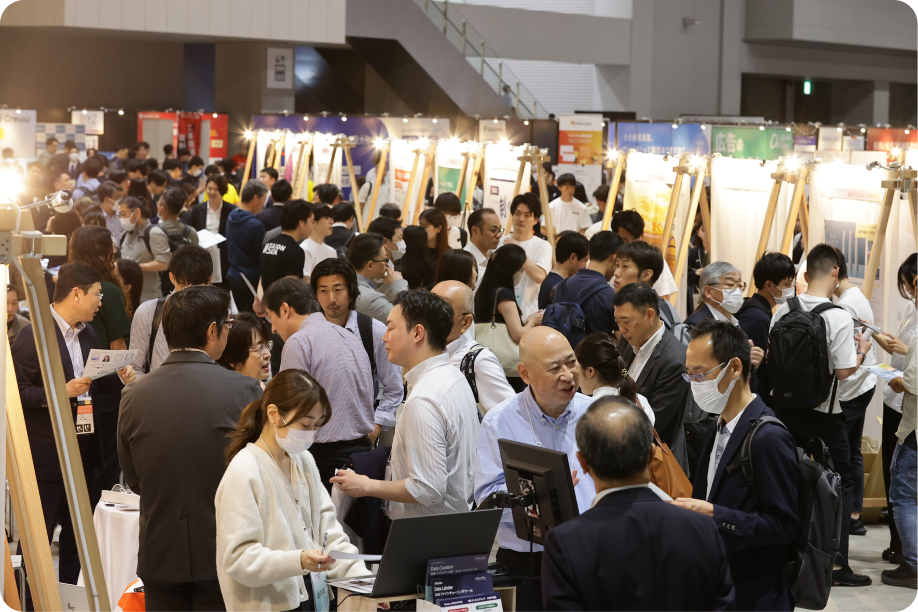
[
  {"x": 297, "y": 440},
  {"x": 733, "y": 300},
  {"x": 708, "y": 396},
  {"x": 399, "y": 250},
  {"x": 195, "y": 173},
  {"x": 452, "y": 220},
  {"x": 115, "y": 203},
  {"x": 74, "y": 157},
  {"x": 517, "y": 278},
  {"x": 786, "y": 294},
  {"x": 126, "y": 224}
]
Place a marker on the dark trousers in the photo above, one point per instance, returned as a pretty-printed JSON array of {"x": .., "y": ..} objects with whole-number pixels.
[
  {"x": 332, "y": 456},
  {"x": 891, "y": 420},
  {"x": 854, "y": 411},
  {"x": 203, "y": 595},
  {"x": 108, "y": 469},
  {"x": 242, "y": 295},
  {"x": 529, "y": 567},
  {"x": 806, "y": 424}
]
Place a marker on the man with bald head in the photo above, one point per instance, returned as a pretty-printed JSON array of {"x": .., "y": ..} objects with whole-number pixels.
[
  {"x": 545, "y": 415},
  {"x": 477, "y": 363},
  {"x": 631, "y": 550}
]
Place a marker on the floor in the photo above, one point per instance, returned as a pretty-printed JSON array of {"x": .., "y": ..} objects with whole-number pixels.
[{"x": 864, "y": 558}]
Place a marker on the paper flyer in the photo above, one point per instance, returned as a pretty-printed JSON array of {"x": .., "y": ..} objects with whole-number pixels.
[{"x": 102, "y": 363}]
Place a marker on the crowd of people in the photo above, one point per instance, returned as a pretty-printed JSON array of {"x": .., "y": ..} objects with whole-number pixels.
[{"x": 441, "y": 339}]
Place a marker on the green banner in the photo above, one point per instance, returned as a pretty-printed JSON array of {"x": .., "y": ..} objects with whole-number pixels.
[
  {"x": 448, "y": 180},
  {"x": 751, "y": 142}
]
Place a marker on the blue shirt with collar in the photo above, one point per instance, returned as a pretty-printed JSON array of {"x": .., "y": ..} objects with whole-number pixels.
[{"x": 510, "y": 420}]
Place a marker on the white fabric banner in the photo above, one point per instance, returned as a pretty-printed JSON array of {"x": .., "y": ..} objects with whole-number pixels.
[
  {"x": 401, "y": 160},
  {"x": 321, "y": 156},
  {"x": 501, "y": 165},
  {"x": 740, "y": 189},
  {"x": 17, "y": 132}
]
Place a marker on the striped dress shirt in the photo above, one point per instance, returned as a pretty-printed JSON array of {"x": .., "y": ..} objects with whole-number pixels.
[
  {"x": 72, "y": 341},
  {"x": 335, "y": 357},
  {"x": 434, "y": 447}
]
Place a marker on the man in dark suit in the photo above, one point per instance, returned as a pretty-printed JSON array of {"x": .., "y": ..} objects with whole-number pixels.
[
  {"x": 344, "y": 215},
  {"x": 200, "y": 213},
  {"x": 280, "y": 192},
  {"x": 657, "y": 363},
  {"x": 77, "y": 297},
  {"x": 174, "y": 428},
  {"x": 631, "y": 550},
  {"x": 61, "y": 163},
  {"x": 756, "y": 525}
]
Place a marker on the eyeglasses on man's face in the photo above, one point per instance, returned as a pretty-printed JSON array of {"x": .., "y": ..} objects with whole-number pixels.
[{"x": 701, "y": 377}]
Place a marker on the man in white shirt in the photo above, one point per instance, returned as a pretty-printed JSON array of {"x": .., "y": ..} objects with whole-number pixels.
[
  {"x": 525, "y": 210},
  {"x": 545, "y": 414},
  {"x": 845, "y": 354},
  {"x": 433, "y": 455},
  {"x": 567, "y": 212},
  {"x": 314, "y": 246},
  {"x": 485, "y": 374},
  {"x": 856, "y": 391},
  {"x": 484, "y": 236}
]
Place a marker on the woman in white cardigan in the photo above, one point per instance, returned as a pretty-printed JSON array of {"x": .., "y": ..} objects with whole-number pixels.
[
  {"x": 603, "y": 371},
  {"x": 273, "y": 514}
]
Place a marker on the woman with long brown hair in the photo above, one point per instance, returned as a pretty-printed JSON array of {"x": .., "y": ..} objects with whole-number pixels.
[
  {"x": 603, "y": 371},
  {"x": 274, "y": 516},
  {"x": 434, "y": 222}
]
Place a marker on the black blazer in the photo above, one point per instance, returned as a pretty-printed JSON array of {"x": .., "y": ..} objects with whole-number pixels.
[
  {"x": 702, "y": 314},
  {"x": 270, "y": 216},
  {"x": 35, "y": 404},
  {"x": 340, "y": 238},
  {"x": 198, "y": 220},
  {"x": 667, "y": 392},
  {"x": 172, "y": 434},
  {"x": 756, "y": 528},
  {"x": 633, "y": 551}
]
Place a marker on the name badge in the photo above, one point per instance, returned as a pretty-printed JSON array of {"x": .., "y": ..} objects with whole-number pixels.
[
  {"x": 84, "y": 422},
  {"x": 319, "y": 592}
]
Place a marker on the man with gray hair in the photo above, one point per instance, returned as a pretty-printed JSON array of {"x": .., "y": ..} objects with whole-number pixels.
[
  {"x": 664, "y": 558},
  {"x": 244, "y": 237}
]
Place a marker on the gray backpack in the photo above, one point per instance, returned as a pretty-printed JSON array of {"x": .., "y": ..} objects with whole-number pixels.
[{"x": 811, "y": 555}]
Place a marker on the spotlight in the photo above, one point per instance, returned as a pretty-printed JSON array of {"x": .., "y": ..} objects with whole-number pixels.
[
  {"x": 863, "y": 130},
  {"x": 248, "y": 134},
  {"x": 526, "y": 122},
  {"x": 704, "y": 127},
  {"x": 344, "y": 118},
  {"x": 675, "y": 126},
  {"x": 788, "y": 128},
  {"x": 215, "y": 115},
  {"x": 434, "y": 120},
  {"x": 19, "y": 112},
  {"x": 305, "y": 117},
  {"x": 378, "y": 143},
  {"x": 495, "y": 120},
  {"x": 405, "y": 120},
  {"x": 84, "y": 111},
  {"x": 761, "y": 128},
  {"x": 121, "y": 111}
]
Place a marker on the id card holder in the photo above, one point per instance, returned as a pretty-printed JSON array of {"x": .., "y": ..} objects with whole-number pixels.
[
  {"x": 84, "y": 422},
  {"x": 320, "y": 592},
  {"x": 384, "y": 503}
]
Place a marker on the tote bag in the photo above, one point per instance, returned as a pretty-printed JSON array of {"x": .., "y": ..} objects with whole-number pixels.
[{"x": 496, "y": 337}]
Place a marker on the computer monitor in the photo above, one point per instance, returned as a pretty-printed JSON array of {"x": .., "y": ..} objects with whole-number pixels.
[{"x": 544, "y": 474}]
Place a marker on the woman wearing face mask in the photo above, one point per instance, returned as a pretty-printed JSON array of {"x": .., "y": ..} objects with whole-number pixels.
[
  {"x": 603, "y": 371},
  {"x": 496, "y": 286},
  {"x": 273, "y": 514},
  {"x": 417, "y": 266},
  {"x": 248, "y": 347},
  {"x": 449, "y": 203}
]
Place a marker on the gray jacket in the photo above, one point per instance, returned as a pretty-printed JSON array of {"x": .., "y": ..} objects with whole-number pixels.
[{"x": 375, "y": 303}]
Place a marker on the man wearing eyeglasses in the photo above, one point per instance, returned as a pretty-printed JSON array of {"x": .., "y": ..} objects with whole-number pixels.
[
  {"x": 756, "y": 525},
  {"x": 368, "y": 256},
  {"x": 172, "y": 434},
  {"x": 484, "y": 235}
]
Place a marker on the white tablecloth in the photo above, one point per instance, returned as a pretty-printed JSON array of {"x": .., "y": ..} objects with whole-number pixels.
[{"x": 118, "y": 533}]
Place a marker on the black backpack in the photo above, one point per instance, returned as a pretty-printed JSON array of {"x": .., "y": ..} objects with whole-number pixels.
[
  {"x": 798, "y": 358},
  {"x": 811, "y": 555},
  {"x": 567, "y": 316},
  {"x": 92, "y": 194}
]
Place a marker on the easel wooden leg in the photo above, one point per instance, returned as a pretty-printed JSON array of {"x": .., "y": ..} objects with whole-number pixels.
[
  {"x": 331, "y": 164},
  {"x": 876, "y": 252},
  {"x": 422, "y": 188},
  {"x": 913, "y": 206},
  {"x": 613, "y": 192},
  {"x": 380, "y": 168},
  {"x": 689, "y": 222},
  {"x": 414, "y": 172},
  {"x": 788, "y": 236},
  {"x": 769, "y": 221},
  {"x": 470, "y": 194},
  {"x": 673, "y": 205},
  {"x": 461, "y": 182},
  {"x": 298, "y": 169},
  {"x": 516, "y": 190},
  {"x": 10, "y": 595},
  {"x": 304, "y": 172},
  {"x": 248, "y": 159},
  {"x": 705, "y": 212},
  {"x": 350, "y": 171},
  {"x": 543, "y": 196},
  {"x": 805, "y": 225}
]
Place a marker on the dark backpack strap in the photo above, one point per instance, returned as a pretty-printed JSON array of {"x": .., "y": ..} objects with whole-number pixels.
[
  {"x": 819, "y": 309},
  {"x": 463, "y": 237},
  {"x": 186, "y": 231},
  {"x": 563, "y": 287},
  {"x": 146, "y": 237},
  {"x": 590, "y": 291},
  {"x": 744, "y": 461},
  {"x": 154, "y": 327},
  {"x": 467, "y": 367},
  {"x": 668, "y": 316},
  {"x": 365, "y": 326}
]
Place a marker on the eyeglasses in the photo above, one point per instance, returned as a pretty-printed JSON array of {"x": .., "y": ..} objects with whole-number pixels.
[
  {"x": 385, "y": 260},
  {"x": 701, "y": 377},
  {"x": 731, "y": 285},
  {"x": 263, "y": 348},
  {"x": 98, "y": 295},
  {"x": 230, "y": 322}
]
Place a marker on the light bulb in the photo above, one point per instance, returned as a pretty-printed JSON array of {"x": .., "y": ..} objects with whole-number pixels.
[
  {"x": 495, "y": 120},
  {"x": 839, "y": 129},
  {"x": 19, "y": 112},
  {"x": 526, "y": 122},
  {"x": 378, "y": 143},
  {"x": 675, "y": 126},
  {"x": 121, "y": 112},
  {"x": 788, "y": 128},
  {"x": 761, "y": 128},
  {"x": 305, "y": 117},
  {"x": 247, "y": 134},
  {"x": 434, "y": 120},
  {"x": 704, "y": 127},
  {"x": 405, "y": 120},
  {"x": 343, "y": 118},
  {"x": 84, "y": 111}
]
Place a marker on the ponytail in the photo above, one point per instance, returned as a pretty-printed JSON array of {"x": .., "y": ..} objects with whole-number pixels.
[
  {"x": 627, "y": 388},
  {"x": 251, "y": 423},
  {"x": 598, "y": 351}
]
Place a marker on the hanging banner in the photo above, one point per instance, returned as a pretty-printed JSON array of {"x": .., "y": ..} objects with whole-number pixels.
[
  {"x": 845, "y": 204},
  {"x": 740, "y": 189},
  {"x": 580, "y": 140},
  {"x": 854, "y": 143},
  {"x": 887, "y": 139},
  {"x": 804, "y": 143},
  {"x": 17, "y": 132},
  {"x": 830, "y": 139},
  {"x": 401, "y": 160},
  {"x": 490, "y": 130},
  {"x": 662, "y": 138},
  {"x": 449, "y": 167},
  {"x": 648, "y": 190},
  {"x": 93, "y": 121},
  {"x": 752, "y": 142},
  {"x": 63, "y": 132},
  {"x": 322, "y": 151},
  {"x": 691, "y": 138},
  {"x": 501, "y": 165}
]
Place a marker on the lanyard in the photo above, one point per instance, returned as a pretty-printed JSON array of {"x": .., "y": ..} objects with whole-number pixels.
[{"x": 529, "y": 414}]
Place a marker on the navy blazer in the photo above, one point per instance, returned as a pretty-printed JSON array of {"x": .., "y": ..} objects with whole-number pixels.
[
  {"x": 198, "y": 221},
  {"x": 756, "y": 528},
  {"x": 755, "y": 319},
  {"x": 35, "y": 405},
  {"x": 633, "y": 551},
  {"x": 702, "y": 314}
]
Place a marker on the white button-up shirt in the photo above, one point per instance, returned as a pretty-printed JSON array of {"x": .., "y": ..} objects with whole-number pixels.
[
  {"x": 721, "y": 439},
  {"x": 72, "y": 342},
  {"x": 490, "y": 379},
  {"x": 642, "y": 355},
  {"x": 719, "y": 317},
  {"x": 434, "y": 447}
]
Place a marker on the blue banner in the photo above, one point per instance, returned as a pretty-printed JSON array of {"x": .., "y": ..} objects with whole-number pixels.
[{"x": 662, "y": 138}]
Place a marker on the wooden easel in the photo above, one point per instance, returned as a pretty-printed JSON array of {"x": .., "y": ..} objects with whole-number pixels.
[
  {"x": 902, "y": 180},
  {"x": 465, "y": 166},
  {"x": 619, "y": 160},
  {"x": 279, "y": 146},
  {"x": 414, "y": 170},
  {"x": 799, "y": 178},
  {"x": 431, "y": 154},
  {"x": 699, "y": 198},
  {"x": 302, "y": 169},
  {"x": 331, "y": 161},
  {"x": 253, "y": 139},
  {"x": 380, "y": 168},
  {"x": 345, "y": 144},
  {"x": 779, "y": 178},
  {"x": 470, "y": 193},
  {"x": 680, "y": 171},
  {"x": 534, "y": 156}
]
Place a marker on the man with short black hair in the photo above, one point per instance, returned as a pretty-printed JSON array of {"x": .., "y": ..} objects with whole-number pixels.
[
  {"x": 87, "y": 184},
  {"x": 190, "y": 266},
  {"x": 44, "y": 158},
  {"x": 628, "y": 224},
  {"x": 110, "y": 194},
  {"x": 344, "y": 216},
  {"x": 137, "y": 169},
  {"x": 639, "y": 262},
  {"x": 15, "y": 322},
  {"x": 170, "y": 207},
  {"x": 391, "y": 231},
  {"x": 657, "y": 363},
  {"x": 141, "y": 150},
  {"x": 525, "y": 210},
  {"x": 157, "y": 181},
  {"x": 168, "y": 152},
  {"x": 390, "y": 210},
  {"x": 244, "y": 238},
  {"x": 757, "y": 525},
  {"x": 433, "y": 455},
  {"x": 315, "y": 248},
  {"x": 485, "y": 233},
  {"x": 664, "y": 558},
  {"x": 589, "y": 287},
  {"x": 773, "y": 276},
  {"x": 172, "y": 434},
  {"x": 173, "y": 167},
  {"x": 268, "y": 176},
  {"x": 327, "y": 194},
  {"x": 601, "y": 195},
  {"x": 572, "y": 252},
  {"x": 846, "y": 353},
  {"x": 567, "y": 212},
  {"x": 282, "y": 256},
  {"x": 280, "y": 192},
  {"x": 368, "y": 257},
  {"x": 288, "y": 302}
]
